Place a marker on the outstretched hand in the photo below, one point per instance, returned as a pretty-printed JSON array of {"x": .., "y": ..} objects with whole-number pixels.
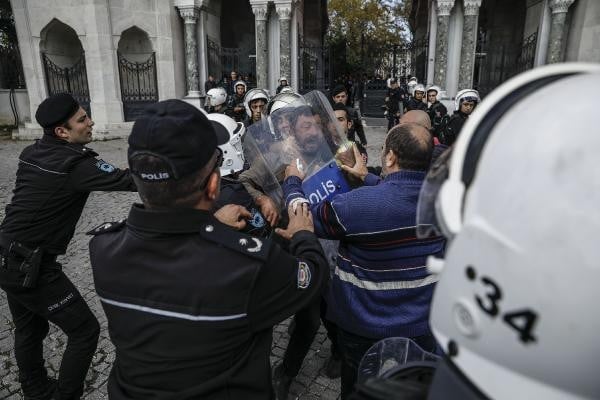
[
  {"x": 300, "y": 220},
  {"x": 233, "y": 215},
  {"x": 359, "y": 169},
  {"x": 268, "y": 209}
]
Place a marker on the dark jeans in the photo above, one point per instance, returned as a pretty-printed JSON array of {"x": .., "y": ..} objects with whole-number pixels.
[
  {"x": 354, "y": 347},
  {"x": 54, "y": 299},
  {"x": 393, "y": 120},
  {"x": 307, "y": 323}
]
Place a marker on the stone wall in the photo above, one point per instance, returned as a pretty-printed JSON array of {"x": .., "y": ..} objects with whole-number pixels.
[{"x": 584, "y": 32}]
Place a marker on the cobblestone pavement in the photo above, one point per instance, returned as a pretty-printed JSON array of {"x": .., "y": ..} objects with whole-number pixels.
[{"x": 310, "y": 383}]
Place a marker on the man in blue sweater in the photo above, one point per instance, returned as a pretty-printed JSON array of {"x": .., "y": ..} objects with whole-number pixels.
[{"x": 381, "y": 287}]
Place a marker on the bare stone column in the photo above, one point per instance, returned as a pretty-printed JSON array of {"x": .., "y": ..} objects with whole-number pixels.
[
  {"x": 469, "y": 42},
  {"x": 444, "y": 7},
  {"x": 284, "y": 10},
  {"x": 260, "y": 20},
  {"x": 557, "y": 29},
  {"x": 190, "y": 17}
]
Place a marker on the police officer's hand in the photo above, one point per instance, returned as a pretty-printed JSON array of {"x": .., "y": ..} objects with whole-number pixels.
[
  {"x": 268, "y": 209},
  {"x": 233, "y": 215},
  {"x": 300, "y": 220},
  {"x": 292, "y": 170},
  {"x": 359, "y": 169}
]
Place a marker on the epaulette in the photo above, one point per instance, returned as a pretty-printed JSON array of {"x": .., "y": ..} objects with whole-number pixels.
[
  {"x": 106, "y": 227},
  {"x": 249, "y": 245}
]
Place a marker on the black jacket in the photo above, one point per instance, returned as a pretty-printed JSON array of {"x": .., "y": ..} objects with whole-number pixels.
[
  {"x": 452, "y": 128},
  {"x": 413, "y": 104},
  {"x": 191, "y": 303},
  {"x": 437, "y": 113},
  {"x": 54, "y": 180}
]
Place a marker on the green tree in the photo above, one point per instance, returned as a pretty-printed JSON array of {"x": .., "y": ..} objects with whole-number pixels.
[{"x": 368, "y": 29}]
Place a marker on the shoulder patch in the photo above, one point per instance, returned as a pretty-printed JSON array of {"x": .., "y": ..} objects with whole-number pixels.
[
  {"x": 249, "y": 245},
  {"x": 106, "y": 227},
  {"x": 304, "y": 275},
  {"x": 104, "y": 166}
]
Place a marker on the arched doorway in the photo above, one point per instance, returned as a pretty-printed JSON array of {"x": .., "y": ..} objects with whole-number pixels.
[
  {"x": 237, "y": 47},
  {"x": 137, "y": 72},
  {"x": 64, "y": 62},
  {"x": 501, "y": 51}
]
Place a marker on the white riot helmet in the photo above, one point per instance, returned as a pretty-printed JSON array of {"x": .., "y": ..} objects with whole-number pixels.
[
  {"x": 216, "y": 96},
  {"x": 286, "y": 89},
  {"x": 466, "y": 95},
  {"x": 255, "y": 94},
  {"x": 233, "y": 152},
  {"x": 283, "y": 78},
  {"x": 434, "y": 88},
  {"x": 238, "y": 83},
  {"x": 515, "y": 308},
  {"x": 419, "y": 87},
  {"x": 284, "y": 99}
]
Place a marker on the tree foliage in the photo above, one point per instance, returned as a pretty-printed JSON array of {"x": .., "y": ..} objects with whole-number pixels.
[
  {"x": 367, "y": 29},
  {"x": 8, "y": 33}
]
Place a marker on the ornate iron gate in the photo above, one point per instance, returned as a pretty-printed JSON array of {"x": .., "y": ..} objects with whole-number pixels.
[
  {"x": 71, "y": 80},
  {"x": 138, "y": 85},
  {"x": 315, "y": 68},
  {"x": 495, "y": 64},
  {"x": 411, "y": 60}
]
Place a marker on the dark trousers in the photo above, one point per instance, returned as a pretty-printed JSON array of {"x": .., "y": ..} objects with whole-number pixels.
[
  {"x": 353, "y": 347},
  {"x": 307, "y": 322},
  {"x": 54, "y": 299},
  {"x": 393, "y": 120}
]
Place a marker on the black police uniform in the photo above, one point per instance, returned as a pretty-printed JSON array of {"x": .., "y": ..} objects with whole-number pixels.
[
  {"x": 233, "y": 192},
  {"x": 437, "y": 113},
  {"x": 54, "y": 179},
  {"x": 234, "y": 101},
  {"x": 394, "y": 97},
  {"x": 191, "y": 303},
  {"x": 414, "y": 104},
  {"x": 452, "y": 128}
]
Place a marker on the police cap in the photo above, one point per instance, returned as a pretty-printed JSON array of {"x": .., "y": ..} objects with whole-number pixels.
[
  {"x": 178, "y": 135},
  {"x": 56, "y": 110}
]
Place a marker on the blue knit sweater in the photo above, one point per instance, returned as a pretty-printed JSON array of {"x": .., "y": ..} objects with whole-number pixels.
[{"x": 381, "y": 287}]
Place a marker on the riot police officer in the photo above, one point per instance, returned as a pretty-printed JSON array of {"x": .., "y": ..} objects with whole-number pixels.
[
  {"x": 196, "y": 322},
  {"x": 235, "y": 102},
  {"x": 54, "y": 179}
]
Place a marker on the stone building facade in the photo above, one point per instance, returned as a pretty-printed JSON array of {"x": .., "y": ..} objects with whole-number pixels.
[
  {"x": 481, "y": 43},
  {"x": 116, "y": 56}
]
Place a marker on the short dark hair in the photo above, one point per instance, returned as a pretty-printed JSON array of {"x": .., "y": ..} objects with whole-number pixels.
[
  {"x": 412, "y": 148},
  {"x": 50, "y": 131},
  {"x": 341, "y": 107},
  {"x": 306, "y": 111},
  {"x": 170, "y": 193}
]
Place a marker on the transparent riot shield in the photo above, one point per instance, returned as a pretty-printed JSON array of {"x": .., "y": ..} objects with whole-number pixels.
[{"x": 304, "y": 133}]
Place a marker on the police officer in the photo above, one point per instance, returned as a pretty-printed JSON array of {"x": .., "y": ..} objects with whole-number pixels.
[
  {"x": 393, "y": 102},
  {"x": 437, "y": 111},
  {"x": 235, "y": 102},
  {"x": 54, "y": 179},
  {"x": 465, "y": 102},
  {"x": 416, "y": 100},
  {"x": 191, "y": 302}
]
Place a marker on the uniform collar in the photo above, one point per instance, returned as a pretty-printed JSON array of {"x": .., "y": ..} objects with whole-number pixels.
[
  {"x": 174, "y": 220},
  {"x": 53, "y": 140},
  {"x": 406, "y": 176}
]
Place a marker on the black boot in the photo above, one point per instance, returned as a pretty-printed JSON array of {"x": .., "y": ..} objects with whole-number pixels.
[
  {"x": 333, "y": 369},
  {"x": 38, "y": 387},
  {"x": 281, "y": 382}
]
